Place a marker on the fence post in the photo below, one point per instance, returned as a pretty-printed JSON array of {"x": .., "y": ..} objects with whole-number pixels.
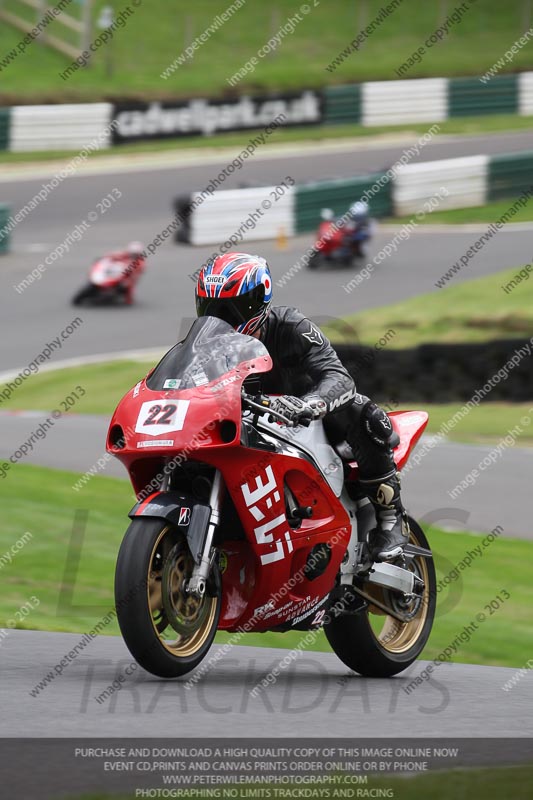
[
  {"x": 188, "y": 32},
  {"x": 41, "y": 11},
  {"x": 526, "y": 16},
  {"x": 85, "y": 37}
]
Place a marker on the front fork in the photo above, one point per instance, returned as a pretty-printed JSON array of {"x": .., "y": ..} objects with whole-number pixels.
[{"x": 204, "y": 560}]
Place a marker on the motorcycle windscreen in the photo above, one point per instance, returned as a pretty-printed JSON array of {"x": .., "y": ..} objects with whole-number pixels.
[{"x": 211, "y": 349}]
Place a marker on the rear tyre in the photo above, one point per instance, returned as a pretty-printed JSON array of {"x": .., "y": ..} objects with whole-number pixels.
[
  {"x": 381, "y": 650},
  {"x": 167, "y": 631}
]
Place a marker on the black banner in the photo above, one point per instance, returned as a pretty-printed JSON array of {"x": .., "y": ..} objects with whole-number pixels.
[
  {"x": 234, "y": 768},
  {"x": 171, "y": 119}
]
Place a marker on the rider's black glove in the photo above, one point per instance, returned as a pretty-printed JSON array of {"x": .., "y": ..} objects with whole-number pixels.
[{"x": 298, "y": 411}]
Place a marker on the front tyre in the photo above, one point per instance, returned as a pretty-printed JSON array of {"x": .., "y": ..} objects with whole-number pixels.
[
  {"x": 376, "y": 644},
  {"x": 167, "y": 631},
  {"x": 88, "y": 294},
  {"x": 316, "y": 260}
]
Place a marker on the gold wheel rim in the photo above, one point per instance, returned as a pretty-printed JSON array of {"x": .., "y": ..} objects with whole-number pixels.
[
  {"x": 395, "y": 636},
  {"x": 181, "y": 645}
]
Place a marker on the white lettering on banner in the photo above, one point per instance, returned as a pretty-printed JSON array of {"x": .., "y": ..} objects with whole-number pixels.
[
  {"x": 201, "y": 116},
  {"x": 266, "y": 489}
]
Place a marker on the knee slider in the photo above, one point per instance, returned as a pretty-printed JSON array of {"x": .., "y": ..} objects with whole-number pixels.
[{"x": 378, "y": 426}]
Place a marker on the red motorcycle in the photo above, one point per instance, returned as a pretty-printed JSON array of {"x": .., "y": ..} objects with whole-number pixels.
[
  {"x": 244, "y": 523},
  {"x": 113, "y": 278},
  {"x": 339, "y": 243}
]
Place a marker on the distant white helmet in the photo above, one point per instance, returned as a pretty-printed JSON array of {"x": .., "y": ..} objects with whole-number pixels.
[
  {"x": 327, "y": 214},
  {"x": 135, "y": 248},
  {"x": 359, "y": 209}
]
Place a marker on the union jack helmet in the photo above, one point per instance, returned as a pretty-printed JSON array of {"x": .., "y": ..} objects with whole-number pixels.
[{"x": 236, "y": 288}]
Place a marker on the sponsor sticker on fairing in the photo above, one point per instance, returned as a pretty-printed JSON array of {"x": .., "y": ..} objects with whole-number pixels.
[
  {"x": 172, "y": 383},
  {"x": 156, "y": 443},
  {"x": 185, "y": 516}
]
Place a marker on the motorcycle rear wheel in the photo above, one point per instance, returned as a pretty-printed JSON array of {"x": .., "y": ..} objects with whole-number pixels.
[
  {"x": 380, "y": 651},
  {"x": 167, "y": 631}
]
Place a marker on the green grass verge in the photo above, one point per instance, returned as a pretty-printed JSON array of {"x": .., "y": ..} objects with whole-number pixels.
[
  {"x": 43, "y": 502},
  {"x": 464, "y": 126},
  {"x": 488, "y": 423},
  {"x": 472, "y": 311},
  {"x": 461, "y": 216},
  {"x": 105, "y": 384},
  {"x": 460, "y": 784},
  {"x": 155, "y": 35}
]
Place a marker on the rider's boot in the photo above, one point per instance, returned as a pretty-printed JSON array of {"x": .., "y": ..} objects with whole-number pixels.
[
  {"x": 388, "y": 539},
  {"x": 372, "y": 438}
]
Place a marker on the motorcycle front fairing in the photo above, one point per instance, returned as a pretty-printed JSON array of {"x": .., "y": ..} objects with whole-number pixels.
[
  {"x": 189, "y": 404},
  {"x": 189, "y": 407}
]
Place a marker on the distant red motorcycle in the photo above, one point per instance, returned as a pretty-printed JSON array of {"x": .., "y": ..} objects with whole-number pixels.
[
  {"x": 245, "y": 522},
  {"x": 339, "y": 243},
  {"x": 113, "y": 278}
]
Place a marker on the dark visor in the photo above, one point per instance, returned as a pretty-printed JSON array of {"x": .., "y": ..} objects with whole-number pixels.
[{"x": 233, "y": 310}]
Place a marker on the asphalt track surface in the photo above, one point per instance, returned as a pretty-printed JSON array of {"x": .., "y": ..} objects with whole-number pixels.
[
  {"x": 77, "y": 442},
  {"x": 315, "y": 694},
  {"x": 165, "y": 297}
]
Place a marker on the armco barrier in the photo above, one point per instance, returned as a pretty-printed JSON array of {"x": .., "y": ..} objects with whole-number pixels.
[
  {"x": 469, "y": 97},
  {"x": 339, "y": 195},
  {"x": 438, "y": 373},
  {"x": 241, "y": 215},
  {"x": 510, "y": 175},
  {"x": 397, "y": 102},
  {"x": 525, "y": 93},
  {"x": 5, "y": 123},
  {"x": 4, "y": 237},
  {"x": 342, "y": 104},
  {"x": 61, "y": 127},
  {"x": 465, "y": 179},
  {"x": 379, "y": 103},
  {"x": 469, "y": 181}
]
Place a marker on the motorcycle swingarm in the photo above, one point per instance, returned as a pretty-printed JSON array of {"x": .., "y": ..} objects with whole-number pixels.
[{"x": 185, "y": 512}]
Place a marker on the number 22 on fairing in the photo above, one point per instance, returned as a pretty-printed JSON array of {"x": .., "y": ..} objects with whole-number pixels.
[{"x": 156, "y": 418}]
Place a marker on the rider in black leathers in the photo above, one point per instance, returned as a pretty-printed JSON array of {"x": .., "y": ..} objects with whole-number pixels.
[{"x": 306, "y": 367}]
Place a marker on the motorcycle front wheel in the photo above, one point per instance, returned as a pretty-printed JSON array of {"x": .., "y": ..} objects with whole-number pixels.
[
  {"x": 167, "y": 631},
  {"x": 88, "y": 293},
  {"x": 315, "y": 260},
  {"x": 376, "y": 644}
]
